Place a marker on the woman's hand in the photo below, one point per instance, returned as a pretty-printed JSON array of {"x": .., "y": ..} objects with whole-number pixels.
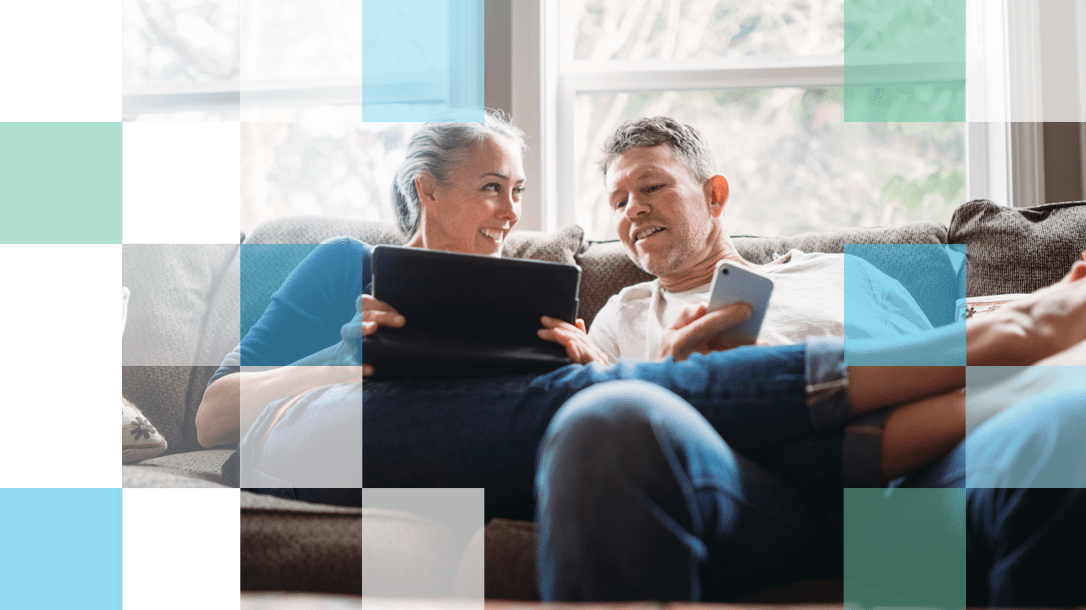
[
  {"x": 574, "y": 338},
  {"x": 376, "y": 313},
  {"x": 1037, "y": 326}
]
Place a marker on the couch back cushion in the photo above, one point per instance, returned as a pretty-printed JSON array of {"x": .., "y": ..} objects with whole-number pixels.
[
  {"x": 607, "y": 269},
  {"x": 178, "y": 330},
  {"x": 1017, "y": 249}
]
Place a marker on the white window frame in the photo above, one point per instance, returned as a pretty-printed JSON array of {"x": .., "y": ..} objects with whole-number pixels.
[
  {"x": 441, "y": 85},
  {"x": 544, "y": 97}
]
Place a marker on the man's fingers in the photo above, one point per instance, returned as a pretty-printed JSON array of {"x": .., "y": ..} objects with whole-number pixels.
[
  {"x": 687, "y": 316},
  {"x": 696, "y": 336},
  {"x": 367, "y": 370},
  {"x": 720, "y": 320}
]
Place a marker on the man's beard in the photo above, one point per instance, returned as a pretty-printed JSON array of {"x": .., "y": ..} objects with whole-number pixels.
[{"x": 681, "y": 254}]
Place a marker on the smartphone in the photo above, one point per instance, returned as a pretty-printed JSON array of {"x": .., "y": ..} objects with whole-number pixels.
[{"x": 734, "y": 283}]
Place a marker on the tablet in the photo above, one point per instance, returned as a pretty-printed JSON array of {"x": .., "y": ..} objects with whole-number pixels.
[{"x": 467, "y": 315}]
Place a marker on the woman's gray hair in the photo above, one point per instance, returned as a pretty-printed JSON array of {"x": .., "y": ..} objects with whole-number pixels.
[
  {"x": 685, "y": 141},
  {"x": 437, "y": 148}
]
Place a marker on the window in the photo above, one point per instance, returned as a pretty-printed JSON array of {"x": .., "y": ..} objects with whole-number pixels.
[
  {"x": 313, "y": 84},
  {"x": 763, "y": 82}
]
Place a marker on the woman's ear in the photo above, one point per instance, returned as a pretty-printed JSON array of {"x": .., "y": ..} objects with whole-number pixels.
[
  {"x": 425, "y": 186},
  {"x": 718, "y": 194}
]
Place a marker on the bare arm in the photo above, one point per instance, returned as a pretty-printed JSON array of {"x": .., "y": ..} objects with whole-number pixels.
[
  {"x": 1025, "y": 331},
  {"x": 919, "y": 433},
  {"x": 233, "y": 402}
]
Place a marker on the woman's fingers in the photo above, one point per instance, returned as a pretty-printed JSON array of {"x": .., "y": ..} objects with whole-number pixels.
[
  {"x": 384, "y": 318},
  {"x": 380, "y": 312},
  {"x": 370, "y": 305}
]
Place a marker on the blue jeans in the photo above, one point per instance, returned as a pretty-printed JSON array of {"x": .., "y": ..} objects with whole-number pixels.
[
  {"x": 785, "y": 402},
  {"x": 640, "y": 498},
  {"x": 784, "y": 405}
]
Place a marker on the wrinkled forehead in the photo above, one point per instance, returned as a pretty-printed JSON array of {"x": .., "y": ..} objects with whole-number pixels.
[{"x": 642, "y": 161}]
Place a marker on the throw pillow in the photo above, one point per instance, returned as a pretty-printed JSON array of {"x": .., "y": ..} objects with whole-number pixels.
[
  {"x": 139, "y": 438},
  {"x": 1016, "y": 250}
]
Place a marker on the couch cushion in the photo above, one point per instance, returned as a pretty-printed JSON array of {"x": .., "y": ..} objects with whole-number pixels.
[
  {"x": 299, "y": 546},
  {"x": 172, "y": 338},
  {"x": 193, "y": 469},
  {"x": 169, "y": 396},
  {"x": 607, "y": 268},
  {"x": 1017, "y": 249}
]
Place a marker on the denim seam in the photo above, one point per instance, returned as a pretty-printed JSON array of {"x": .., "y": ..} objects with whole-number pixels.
[
  {"x": 860, "y": 450},
  {"x": 827, "y": 380}
]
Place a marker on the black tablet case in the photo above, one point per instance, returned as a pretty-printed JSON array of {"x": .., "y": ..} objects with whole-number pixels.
[{"x": 467, "y": 315}]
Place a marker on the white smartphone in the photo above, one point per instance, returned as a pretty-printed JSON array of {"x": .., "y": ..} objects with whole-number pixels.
[{"x": 734, "y": 283}]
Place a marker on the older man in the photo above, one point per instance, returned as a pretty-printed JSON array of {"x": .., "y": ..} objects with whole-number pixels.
[
  {"x": 640, "y": 498},
  {"x": 668, "y": 208}
]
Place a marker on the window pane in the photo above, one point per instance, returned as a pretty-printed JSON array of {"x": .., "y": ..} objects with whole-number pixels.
[
  {"x": 284, "y": 39},
  {"x": 793, "y": 163},
  {"x": 333, "y": 169},
  {"x": 678, "y": 29},
  {"x": 179, "y": 41}
]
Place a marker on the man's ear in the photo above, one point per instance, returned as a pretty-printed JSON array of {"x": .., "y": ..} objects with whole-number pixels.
[
  {"x": 718, "y": 193},
  {"x": 425, "y": 186}
]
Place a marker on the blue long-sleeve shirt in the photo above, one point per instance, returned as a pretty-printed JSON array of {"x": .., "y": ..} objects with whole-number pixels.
[{"x": 306, "y": 313}]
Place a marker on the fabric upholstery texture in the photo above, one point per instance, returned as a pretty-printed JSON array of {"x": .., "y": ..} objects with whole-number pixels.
[
  {"x": 167, "y": 347},
  {"x": 1017, "y": 249},
  {"x": 161, "y": 392},
  {"x": 192, "y": 469},
  {"x": 291, "y": 545}
]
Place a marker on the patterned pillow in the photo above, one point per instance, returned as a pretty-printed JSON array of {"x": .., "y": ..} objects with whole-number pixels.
[
  {"x": 139, "y": 439},
  {"x": 1015, "y": 250}
]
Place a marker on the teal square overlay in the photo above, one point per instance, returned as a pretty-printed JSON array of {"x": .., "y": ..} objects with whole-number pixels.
[
  {"x": 60, "y": 183},
  {"x": 429, "y": 71},
  {"x": 877, "y": 308},
  {"x": 904, "y": 547},
  {"x": 62, "y": 548},
  {"x": 1025, "y": 426},
  {"x": 905, "y": 61}
]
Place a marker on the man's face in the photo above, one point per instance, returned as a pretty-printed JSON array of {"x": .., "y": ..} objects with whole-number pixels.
[{"x": 662, "y": 214}]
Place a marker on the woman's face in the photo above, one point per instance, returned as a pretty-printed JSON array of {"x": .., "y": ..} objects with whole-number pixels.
[{"x": 474, "y": 212}]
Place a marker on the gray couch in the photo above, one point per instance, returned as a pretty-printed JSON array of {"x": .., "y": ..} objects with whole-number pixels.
[{"x": 184, "y": 317}]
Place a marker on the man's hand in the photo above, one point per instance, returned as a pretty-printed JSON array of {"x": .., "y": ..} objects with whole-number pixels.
[
  {"x": 574, "y": 338},
  {"x": 701, "y": 332},
  {"x": 375, "y": 313}
]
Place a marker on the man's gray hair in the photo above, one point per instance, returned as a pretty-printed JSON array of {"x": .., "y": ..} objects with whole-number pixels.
[
  {"x": 436, "y": 148},
  {"x": 685, "y": 141}
]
